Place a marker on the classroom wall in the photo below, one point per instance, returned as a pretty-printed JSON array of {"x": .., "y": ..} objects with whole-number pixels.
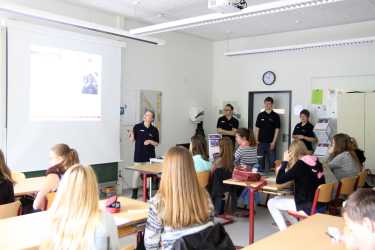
[
  {"x": 182, "y": 70},
  {"x": 348, "y": 68}
]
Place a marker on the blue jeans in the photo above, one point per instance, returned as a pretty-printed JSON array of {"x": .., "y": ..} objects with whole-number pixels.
[{"x": 269, "y": 156}]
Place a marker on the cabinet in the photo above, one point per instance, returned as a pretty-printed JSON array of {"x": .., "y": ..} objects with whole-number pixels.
[
  {"x": 355, "y": 116},
  {"x": 370, "y": 130}
]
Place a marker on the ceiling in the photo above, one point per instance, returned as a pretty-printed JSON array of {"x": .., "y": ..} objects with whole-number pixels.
[{"x": 158, "y": 11}]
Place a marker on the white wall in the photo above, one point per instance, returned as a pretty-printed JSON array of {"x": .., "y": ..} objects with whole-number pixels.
[
  {"x": 182, "y": 70},
  {"x": 234, "y": 77}
]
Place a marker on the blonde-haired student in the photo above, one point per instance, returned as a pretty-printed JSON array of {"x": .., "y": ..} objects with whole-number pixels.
[
  {"x": 181, "y": 207},
  {"x": 307, "y": 173},
  {"x": 61, "y": 158},
  {"x": 76, "y": 222}
]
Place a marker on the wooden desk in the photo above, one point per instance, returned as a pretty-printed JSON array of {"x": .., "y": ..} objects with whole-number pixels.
[
  {"x": 27, "y": 231},
  {"x": 28, "y": 186},
  {"x": 146, "y": 170},
  {"x": 309, "y": 234}
]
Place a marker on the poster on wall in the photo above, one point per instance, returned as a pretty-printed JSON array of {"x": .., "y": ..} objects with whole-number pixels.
[
  {"x": 236, "y": 109},
  {"x": 151, "y": 100},
  {"x": 213, "y": 145}
]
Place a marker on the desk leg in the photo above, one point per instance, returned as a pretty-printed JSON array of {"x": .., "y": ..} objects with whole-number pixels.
[
  {"x": 150, "y": 187},
  {"x": 251, "y": 216},
  {"x": 144, "y": 187}
]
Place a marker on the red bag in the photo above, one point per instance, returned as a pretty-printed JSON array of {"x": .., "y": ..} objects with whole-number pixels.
[
  {"x": 112, "y": 205},
  {"x": 244, "y": 174}
]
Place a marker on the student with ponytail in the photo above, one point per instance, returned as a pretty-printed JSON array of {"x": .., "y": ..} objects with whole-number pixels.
[{"x": 62, "y": 157}]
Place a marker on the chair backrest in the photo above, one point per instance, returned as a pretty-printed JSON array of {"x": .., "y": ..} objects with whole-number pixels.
[
  {"x": 323, "y": 194},
  {"x": 346, "y": 186},
  {"x": 362, "y": 178},
  {"x": 277, "y": 163},
  {"x": 10, "y": 209},
  {"x": 203, "y": 178},
  {"x": 50, "y": 198},
  {"x": 18, "y": 176}
]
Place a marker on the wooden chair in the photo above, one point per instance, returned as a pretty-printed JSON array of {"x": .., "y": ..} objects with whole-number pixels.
[
  {"x": 203, "y": 178},
  {"x": 323, "y": 194},
  {"x": 18, "y": 176},
  {"x": 361, "y": 181},
  {"x": 277, "y": 163},
  {"x": 10, "y": 210},
  {"x": 130, "y": 247},
  {"x": 49, "y": 199},
  {"x": 346, "y": 187}
]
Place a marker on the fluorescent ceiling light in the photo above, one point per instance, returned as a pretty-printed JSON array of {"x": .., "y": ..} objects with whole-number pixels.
[
  {"x": 251, "y": 11},
  {"x": 77, "y": 23},
  {"x": 329, "y": 44}
]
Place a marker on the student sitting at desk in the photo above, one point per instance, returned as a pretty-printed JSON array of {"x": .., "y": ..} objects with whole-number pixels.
[
  {"x": 246, "y": 153},
  {"x": 198, "y": 148},
  {"x": 62, "y": 157},
  {"x": 342, "y": 161},
  {"x": 6, "y": 182},
  {"x": 181, "y": 207},
  {"x": 76, "y": 222},
  {"x": 222, "y": 169},
  {"x": 359, "y": 216},
  {"x": 307, "y": 173}
]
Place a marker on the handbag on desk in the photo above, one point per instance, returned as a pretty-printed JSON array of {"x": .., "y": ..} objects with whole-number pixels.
[{"x": 244, "y": 174}]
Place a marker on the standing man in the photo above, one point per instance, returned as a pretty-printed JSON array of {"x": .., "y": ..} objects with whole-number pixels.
[
  {"x": 146, "y": 138},
  {"x": 304, "y": 130},
  {"x": 267, "y": 128},
  {"x": 227, "y": 125}
]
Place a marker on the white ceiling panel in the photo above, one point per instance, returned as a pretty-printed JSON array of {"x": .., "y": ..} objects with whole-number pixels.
[{"x": 157, "y": 11}]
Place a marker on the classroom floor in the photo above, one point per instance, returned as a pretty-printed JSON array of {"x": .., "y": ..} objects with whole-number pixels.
[{"x": 238, "y": 230}]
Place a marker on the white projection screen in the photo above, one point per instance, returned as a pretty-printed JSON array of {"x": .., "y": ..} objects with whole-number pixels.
[{"x": 63, "y": 87}]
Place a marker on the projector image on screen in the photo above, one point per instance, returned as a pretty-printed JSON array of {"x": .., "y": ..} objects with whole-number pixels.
[{"x": 64, "y": 84}]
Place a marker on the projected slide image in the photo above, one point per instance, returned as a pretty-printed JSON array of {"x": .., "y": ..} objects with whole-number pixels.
[{"x": 64, "y": 84}]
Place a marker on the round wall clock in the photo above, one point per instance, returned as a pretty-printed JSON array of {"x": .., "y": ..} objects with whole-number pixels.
[{"x": 269, "y": 78}]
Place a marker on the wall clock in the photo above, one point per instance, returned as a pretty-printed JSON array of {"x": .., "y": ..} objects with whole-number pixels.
[{"x": 269, "y": 78}]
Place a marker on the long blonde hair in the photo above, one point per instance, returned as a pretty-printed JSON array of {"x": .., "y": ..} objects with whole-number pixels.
[
  {"x": 75, "y": 211},
  {"x": 296, "y": 150},
  {"x": 182, "y": 201}
]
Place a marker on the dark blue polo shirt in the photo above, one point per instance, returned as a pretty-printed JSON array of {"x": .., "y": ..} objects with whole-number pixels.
[
  {"x": 267, "y": 124},
  {"x": 306, "y": 130},
  {"x": 143, "y": 153},
  {"x": 228, "y": 125}
]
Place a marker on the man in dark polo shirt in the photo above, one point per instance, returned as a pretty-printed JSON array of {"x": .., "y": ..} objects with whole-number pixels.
[
  {"x": 146, "y": 138},
  {"x": 227, "y": 125},
  {"x": 267, "y": 129},
  {"x": 304, "y": 130}
]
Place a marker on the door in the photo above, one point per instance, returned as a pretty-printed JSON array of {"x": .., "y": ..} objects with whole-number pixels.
[{"x": 282, "y": 106}]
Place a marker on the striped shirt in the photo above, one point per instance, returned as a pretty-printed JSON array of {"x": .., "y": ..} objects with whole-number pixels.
[
  {"x": 245, "y": 156},
  {"x": 161, "y": 237}
]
